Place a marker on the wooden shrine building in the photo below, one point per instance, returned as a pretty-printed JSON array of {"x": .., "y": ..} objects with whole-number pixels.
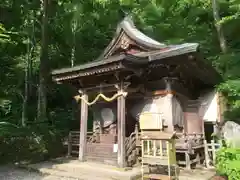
[{"x": 137, "y": 74}]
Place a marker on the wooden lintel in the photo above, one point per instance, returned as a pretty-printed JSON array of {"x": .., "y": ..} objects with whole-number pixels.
[
  {"x": 177, "y": 87},
  {"x": 103, "y": 86},
  {"x": 111, "y": 89},
  {"x": 161, "y": 92}
]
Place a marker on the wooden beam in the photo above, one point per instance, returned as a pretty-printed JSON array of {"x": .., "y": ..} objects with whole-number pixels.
[
  {"x": 83, "y": 128},
  {"x": 103, "y": 86},
  {"x": 121, "y": 129}
]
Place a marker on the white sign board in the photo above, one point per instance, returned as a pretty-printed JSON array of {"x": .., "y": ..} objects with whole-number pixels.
[{"x": 115, "y": 148}]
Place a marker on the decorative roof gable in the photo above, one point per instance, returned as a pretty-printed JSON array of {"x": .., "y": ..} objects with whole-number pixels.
[{"x": 129, "y": 38}]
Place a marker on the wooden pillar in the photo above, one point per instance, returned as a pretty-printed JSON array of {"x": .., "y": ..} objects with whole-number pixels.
[
  {"x": 69, "y": 144},
  {"x": 169, "y": 118},
  {"x": 83, "y": 128},
  {"x": 188, "y": 160},
  {"x": 206, "y": 154},
  {"x": 121, "y": 128}
]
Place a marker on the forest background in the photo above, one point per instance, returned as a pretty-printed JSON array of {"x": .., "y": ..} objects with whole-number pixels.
[{"x": 38, "y": 36}]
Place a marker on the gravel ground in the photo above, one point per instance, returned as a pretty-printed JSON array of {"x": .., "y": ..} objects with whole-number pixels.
[{"x": 13, "y": 173}]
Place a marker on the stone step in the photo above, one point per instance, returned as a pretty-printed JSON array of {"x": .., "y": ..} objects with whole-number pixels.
[{"x": 108, "y": 161}]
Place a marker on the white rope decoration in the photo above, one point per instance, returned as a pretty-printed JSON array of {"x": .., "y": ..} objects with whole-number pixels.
[{"x": 108, "y": 99}]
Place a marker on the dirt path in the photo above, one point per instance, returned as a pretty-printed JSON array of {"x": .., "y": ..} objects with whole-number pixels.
[{"x": 13, "y": 173}]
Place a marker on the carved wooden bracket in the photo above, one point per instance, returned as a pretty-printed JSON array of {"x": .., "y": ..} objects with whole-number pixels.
[
  {"x": 122, "y": 86},
  {"x": 124, "y": 44}
]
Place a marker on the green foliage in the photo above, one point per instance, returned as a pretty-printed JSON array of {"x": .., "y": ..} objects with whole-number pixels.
[
  {"x": 3, "y": 34},
  {"x": 35, "y": 143},
  {"x": 228, "y": 163},
  {"x": 234, "y": 9},
  {"x": 231, "y": 88}
]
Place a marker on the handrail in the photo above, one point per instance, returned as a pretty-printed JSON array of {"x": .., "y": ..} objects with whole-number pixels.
[{"x": 76, "y": 134}]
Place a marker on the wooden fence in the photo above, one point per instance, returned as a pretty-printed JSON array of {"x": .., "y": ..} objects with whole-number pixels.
[
  {"x": 72, "y": 141},
  {"x": 210, "y": 152},
  {"x": 210, "y": 149}
]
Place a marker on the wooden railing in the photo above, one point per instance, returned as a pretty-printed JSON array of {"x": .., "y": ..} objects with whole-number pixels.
[
  {"x": 73, "y": 141},
  {"x": 133, "y": 147},
  {"x": 210, "y": 150}
]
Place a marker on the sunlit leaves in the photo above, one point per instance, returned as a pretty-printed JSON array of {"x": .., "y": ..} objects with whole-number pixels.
[
  {"x": 234, "y": 11},
  {"x": 232, "y": 87},
  {"x": 5, "y": 106},
  {"x": 3, "y": 34}
]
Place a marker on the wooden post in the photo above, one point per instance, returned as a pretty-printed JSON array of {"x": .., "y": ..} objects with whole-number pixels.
[
  {"x": 138, "y": 142},
  {"x": 154, "y": 148},
  {"x": 213, "y": 151},
  {"x": 188, "y": 160},
  {"x": 198, "y": 158},
  {"x": 121, "y": 129},
  {"x": 206, "y": 154},
  {"x": 203, "y": 128},
  {"x": 169, "y": 104},
  {"x": 83, "y": 128},
  {"x": 136, "y": 132},
  {"x": 69, "y": 144}
]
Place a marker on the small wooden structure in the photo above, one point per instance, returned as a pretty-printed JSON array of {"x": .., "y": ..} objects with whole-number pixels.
[
  {"x": 136, "y": 72},
  {"x": 158, "y": 147}
]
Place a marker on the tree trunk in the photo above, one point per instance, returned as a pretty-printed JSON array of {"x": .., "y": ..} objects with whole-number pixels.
[
  {"x": 44, "y": 69},
  {"x": 26, "y": 86},
  {"x": 73, "y": 58},
  {"x": 221, "y": 37}
]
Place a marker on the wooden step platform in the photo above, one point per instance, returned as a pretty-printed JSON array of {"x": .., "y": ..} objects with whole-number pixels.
[{"x": 158, "y": 177}]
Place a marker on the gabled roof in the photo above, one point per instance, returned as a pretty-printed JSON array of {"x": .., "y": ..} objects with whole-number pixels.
[
  {"x": 126, "y": 31},
  {"x": 127, "y": 34}
]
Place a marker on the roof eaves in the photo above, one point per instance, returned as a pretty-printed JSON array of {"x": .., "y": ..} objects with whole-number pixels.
[
  {"x": 174, "y": 51},
  {"x": 88, "y": 65}
]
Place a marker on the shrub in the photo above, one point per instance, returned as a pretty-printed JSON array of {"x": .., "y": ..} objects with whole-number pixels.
[
  {"x": 228, "y": 162},
  {"x": 35, "y": 143}
]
